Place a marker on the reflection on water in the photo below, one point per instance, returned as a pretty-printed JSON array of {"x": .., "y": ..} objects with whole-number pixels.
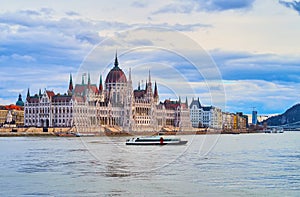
[{"x": 239, "y": 165}]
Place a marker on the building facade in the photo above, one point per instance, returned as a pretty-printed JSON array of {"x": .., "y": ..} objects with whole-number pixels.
[
  {"x": 205, "y": 116},
  {"x": 48, "y": 110},
  {"x": 113, "y": 104}
]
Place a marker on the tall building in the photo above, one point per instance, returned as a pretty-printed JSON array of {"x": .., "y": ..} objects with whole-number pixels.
[
  {"x": 254, "y": 117},
  {"x": 112, "y": 105}
]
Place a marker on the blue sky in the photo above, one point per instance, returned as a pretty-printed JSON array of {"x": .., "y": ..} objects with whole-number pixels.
[{"x": 254, "y": 43}]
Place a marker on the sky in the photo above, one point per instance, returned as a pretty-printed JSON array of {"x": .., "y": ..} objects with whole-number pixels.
[{"x": 253, "y": 45}]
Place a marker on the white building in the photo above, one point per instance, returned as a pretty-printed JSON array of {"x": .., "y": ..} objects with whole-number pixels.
[
  {"x": 203, "y": 116},
  {"x": 48, "y": 110}
]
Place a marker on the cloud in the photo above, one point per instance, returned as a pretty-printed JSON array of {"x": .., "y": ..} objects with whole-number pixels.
[
  {"x": 139, "y": 4},
  {"x": 189, "y": 6},
  {"x": 72, "y": 13},
  {"x": 250, "y": 66},
  {"x": 295, "y": 5},
  {"x": 267, "y": 97},
  {"x": 16, "y": 90}
]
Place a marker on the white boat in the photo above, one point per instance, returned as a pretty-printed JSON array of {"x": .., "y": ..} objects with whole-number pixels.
[
  {"x": 155, "y": 140},
  {"x": 85, "y": 134},
  {"x": 274, "y": 130}
]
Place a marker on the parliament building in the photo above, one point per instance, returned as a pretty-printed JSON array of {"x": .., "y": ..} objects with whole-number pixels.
[{"x": 114, "y": 105}]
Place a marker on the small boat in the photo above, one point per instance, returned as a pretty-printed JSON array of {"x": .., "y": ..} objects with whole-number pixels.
[
  {"x": 85, "y": 134},
  {"x": 65, "y": 134},
  {"x": 155, "y": 140}
]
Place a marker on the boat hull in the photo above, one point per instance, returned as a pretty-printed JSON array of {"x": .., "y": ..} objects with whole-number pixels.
[{"x": 156, "y": 143}]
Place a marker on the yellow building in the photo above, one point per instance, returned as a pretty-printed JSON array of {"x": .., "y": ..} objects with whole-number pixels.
[{"x": 17, "y": 113}]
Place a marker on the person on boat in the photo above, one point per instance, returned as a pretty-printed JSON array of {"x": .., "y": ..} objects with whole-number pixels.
[{"x": 161, "y": 140}]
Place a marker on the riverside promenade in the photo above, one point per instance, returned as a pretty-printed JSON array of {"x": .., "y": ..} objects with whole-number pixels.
[{"x": 109, "y": 131}]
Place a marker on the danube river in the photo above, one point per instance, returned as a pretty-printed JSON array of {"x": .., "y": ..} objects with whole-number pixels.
[{"x": 215, "y": 165}]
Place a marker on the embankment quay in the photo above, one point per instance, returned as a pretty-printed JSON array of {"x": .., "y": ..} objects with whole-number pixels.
[{"x": 108, "y": 131}]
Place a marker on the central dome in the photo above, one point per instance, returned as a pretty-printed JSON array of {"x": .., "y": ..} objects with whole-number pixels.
[{"x": 116, "y": 75}]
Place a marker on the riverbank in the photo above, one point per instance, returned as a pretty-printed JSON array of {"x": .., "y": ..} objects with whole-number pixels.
[{"x": 71, "y": 131}]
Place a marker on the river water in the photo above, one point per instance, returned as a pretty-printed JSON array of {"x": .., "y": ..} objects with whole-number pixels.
[{"x": 214, "y": 165}]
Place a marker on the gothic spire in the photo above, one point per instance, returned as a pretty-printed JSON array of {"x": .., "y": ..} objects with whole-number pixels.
[
  {"x": 146, "y": 86},
  {"x": 28, "y": 93},
  {"x": 179, "y": 101},
  {"x": 139, "y": 87},
  {"x": 100, "y": 85},
  {"x": 155, "y": 95},
  {"x": 71, "y": 83}
]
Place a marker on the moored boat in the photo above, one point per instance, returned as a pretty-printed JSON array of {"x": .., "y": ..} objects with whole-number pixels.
[
  {"x": 65, "y": 134},
  {"x": 155, "y": 140}
]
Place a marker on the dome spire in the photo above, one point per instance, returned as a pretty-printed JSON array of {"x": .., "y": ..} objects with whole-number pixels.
[{"x": 116, "y": 60}]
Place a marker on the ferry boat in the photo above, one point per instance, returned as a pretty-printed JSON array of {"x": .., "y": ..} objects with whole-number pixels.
[{"x": 155, "y": 140}]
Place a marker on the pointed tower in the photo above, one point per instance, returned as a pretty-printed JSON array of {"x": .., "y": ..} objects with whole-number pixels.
[
  {"x": 71, "y": 83},
  {"x": 100, "y": 85},
  {"x": 179, "y": 100},
  {"x": 40, "y": 93},
  {"x": 70, "y": 90},
  {"x": 155, "y": 95},
  {"x": 28, "y": 93},
  {"x": 139, "y": 86},
  {"x": 146, "y": 87}
]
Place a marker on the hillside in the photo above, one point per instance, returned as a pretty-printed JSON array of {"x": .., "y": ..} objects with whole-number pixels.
[{"x": 290, "y": 116}]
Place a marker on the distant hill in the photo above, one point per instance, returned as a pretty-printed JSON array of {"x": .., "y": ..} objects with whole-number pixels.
[{"x": 290, "y": 116}]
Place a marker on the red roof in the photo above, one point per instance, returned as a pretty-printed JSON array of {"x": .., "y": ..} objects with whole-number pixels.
[
  {"x": 34, "y": 99},
  {"x": 8, "y": 107},
  {"x": 50, "y": 93},
  {"x": 80, "y": 88}
]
